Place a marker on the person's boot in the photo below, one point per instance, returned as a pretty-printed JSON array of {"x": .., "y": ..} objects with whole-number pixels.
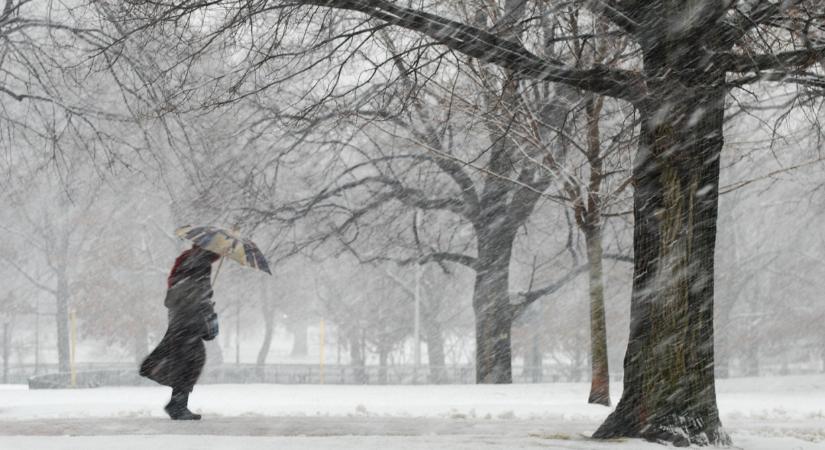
[{"x": 178, "y": 407}]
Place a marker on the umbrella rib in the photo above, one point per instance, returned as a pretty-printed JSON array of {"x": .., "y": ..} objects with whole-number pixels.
[{"x": 204, "y": 236}]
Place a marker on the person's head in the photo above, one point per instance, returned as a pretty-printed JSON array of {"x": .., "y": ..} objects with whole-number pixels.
[{"x": 195, "y": 262}]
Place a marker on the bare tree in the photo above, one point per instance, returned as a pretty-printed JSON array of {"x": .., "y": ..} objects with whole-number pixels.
[
  {"x": 372, "y": 312},
  {"x": 119, "y": 298},
  {"x": 691, "y": 53},
  {"x": 55, "y": 238}
]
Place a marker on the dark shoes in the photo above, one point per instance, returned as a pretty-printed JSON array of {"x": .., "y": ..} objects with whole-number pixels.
[
  {"x": 184, "y": 414},
  {"x": 178, "y": 408}
]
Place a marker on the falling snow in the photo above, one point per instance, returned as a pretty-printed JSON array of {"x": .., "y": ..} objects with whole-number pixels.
[{"x": 352, "y": 224}]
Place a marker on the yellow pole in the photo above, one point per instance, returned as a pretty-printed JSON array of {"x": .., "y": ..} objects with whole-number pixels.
[
  {"x": 73, "y": 337},
  {"x": 217, "y": 271},
  {"x": 322, "y": 352}
]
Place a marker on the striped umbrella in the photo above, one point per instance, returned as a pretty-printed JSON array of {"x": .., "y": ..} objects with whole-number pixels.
[{"x": 226, "y": 243}]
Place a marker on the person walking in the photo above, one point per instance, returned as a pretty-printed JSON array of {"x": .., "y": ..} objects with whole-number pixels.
[{"x": 179, "y": 358}]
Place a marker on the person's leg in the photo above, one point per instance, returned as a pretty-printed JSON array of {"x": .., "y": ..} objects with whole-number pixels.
[{"x": 178, "y": 407}]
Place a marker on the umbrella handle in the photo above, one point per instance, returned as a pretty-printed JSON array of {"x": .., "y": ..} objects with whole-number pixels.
[{"x": 217, "y": 271}]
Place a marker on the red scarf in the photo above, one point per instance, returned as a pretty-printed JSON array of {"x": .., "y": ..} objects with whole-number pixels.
[{"x": 175, "y": 267}]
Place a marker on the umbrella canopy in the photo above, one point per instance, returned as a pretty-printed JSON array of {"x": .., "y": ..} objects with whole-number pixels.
[{"x": 226, "y": 243}]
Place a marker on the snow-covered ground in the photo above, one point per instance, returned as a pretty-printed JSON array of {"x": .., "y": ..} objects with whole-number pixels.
[{"x": 760, "y": 413}]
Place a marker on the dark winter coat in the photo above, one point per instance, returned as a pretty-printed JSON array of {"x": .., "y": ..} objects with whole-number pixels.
[{"x": 179, "y": 358}]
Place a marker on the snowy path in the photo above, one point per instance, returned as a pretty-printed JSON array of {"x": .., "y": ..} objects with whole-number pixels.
[
  {"x": 282, "y": 426},
  {"x": 298, "y": 432},
  {"x": 308, "y": 443},
  {"x": 776, "y": 413}
]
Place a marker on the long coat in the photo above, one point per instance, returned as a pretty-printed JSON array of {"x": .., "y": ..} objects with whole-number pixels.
[{"x": 179, "y": 358}]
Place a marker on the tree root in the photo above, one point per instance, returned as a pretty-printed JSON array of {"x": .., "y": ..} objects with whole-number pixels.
[{"x": 675, "y": 430}]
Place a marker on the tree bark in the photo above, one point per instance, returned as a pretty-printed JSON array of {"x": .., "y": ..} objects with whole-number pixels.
[
  {"x": 493, "y": 312},
  {"x": 669, "y": 391},
  {"x": 599, "y": 370}
]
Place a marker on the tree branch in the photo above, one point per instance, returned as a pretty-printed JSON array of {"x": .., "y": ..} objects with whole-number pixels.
[
  {"x": 458, "y": 258},
  {"x": 618, "y": 257},
  {"x": 763, "y": 12},
  {"x": 527, "y": 298},
  {"x": 438, "y": 257},
  {"x": 616, "y": 13},
  {"x": 31, "y": 279},
  {"x": 787, "y": 62},
  {"x": 490, "y": 48},
  {"x": 526, "y": 196}
]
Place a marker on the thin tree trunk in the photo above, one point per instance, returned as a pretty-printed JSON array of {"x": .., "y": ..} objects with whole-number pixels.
[
  {"x": 752, "y": 365},
  {"x": 62, "y": 319},
  {"x": 435, "y": 352},
  {"x": 669, "y": 390},
  {"x": 600, "y": 374},
  {"x": 357, "y": 358},
  {"x": 536, "y": 359},
  {"x": 589, "y": 218},
  {"x": 269, "y": 330},
  {"x": 268, "y": 312},
  {"x": 383, "y": 354},
  {"x": 822, "y": 356},
  {"x": 6, "y": 352}
]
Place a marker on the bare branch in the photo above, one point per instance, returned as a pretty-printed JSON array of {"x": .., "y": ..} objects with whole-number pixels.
[
  {"x": 527, "y": 298},
  {"x": 30, "y": 278},
  {"x": 786, "y": 62},
  {"x": 490, "y": 48}
]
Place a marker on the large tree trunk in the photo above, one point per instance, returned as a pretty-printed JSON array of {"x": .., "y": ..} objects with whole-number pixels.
[
  {"x": 669, "y": 391},
  {"x": 599, "y": 372},
  {"x": 493, "y": 312}
]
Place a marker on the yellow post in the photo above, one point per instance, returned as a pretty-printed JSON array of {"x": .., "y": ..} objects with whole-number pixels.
[
  {"x": 73, "y": 337},
  {"x": 217, "y": 271},
  {"x": 322, "y": 352}
]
